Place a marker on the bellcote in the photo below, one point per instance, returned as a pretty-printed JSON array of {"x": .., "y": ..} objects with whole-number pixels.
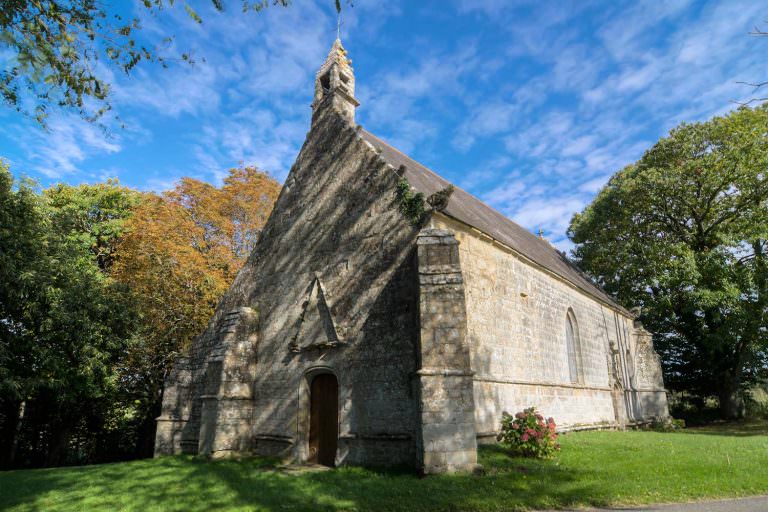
[{"x": 335, "y": 84}]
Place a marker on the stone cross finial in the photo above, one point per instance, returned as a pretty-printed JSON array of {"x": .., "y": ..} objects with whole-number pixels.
[{"x": 335, "y": 84}]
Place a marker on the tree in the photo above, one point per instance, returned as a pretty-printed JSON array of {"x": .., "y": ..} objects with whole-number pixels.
[
  {"x": 93, "y": 215},
  {"x": 21, "y": 244},
  {"x": 100, "y": 287},
  {"x": 683, "y": 234},
  {"x": 61, "y": 329},
  {"x": 180, "y": 254},
  {"x": 57, "y": 44}
]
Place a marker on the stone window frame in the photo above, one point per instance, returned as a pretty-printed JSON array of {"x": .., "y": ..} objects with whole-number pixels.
[{"x": 573, "y": 348}]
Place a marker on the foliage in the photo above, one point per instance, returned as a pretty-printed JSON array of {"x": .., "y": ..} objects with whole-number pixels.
[
  {"x": 57, "y": 46},
  {"x": 93, "y": 215},
  {"x": 439, "y": 200},
  {"x": 693, "y": 408},
  {"x": 682, "y": 235},
  {"x": 180, "y": 254},
  {"x": 666, "y": 425},
  {"x": 757, "y": 401},
  {"x": 61, "y": 327},
  {"x": 527, "y": 434},
  {"x": 412, "y": 204},
  {"x": 100, "y": 287},
  {"x": 594, "y": 469}
]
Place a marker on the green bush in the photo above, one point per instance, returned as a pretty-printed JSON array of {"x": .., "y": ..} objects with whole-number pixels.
[
  {"x": 666, "y": 424},
  {"x": 694, "y": 409},
  {"x": 412, "y": 204},
  {"x": 528, "y": 434}
]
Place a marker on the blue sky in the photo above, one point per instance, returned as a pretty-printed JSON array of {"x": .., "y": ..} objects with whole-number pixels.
[{"x": 529, "y": 105}]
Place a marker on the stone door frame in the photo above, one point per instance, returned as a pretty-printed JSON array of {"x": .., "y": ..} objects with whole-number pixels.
[{"x": 304, "y": 404}]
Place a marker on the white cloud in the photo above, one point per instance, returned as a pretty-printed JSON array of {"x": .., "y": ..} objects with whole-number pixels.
[
  {"x": 488, "y": 172},
  {"x": 488, "y": 119},
  {"x": 552, "y": 214},
  {"x": 507, "y": 193},
  {"x": 548, "y": 100},
  {"x": 249, "y": 137},
  {"x": 579, "y": 146},
  {"x": 491, "y": 8},
  {"x": 638, "y": 78},
  {"x": 632, "y": 30},
  {"x": 410, "y": 132},
  {"x": 399, "y": 93},
  {"x": 594, "y": 186},
  {"x": 67, "y": 143},
  {"x": 597, "y": 108}
]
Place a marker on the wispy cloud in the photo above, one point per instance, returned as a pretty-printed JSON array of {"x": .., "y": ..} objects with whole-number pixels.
[
  {"x": 69, "y": 141},
  {"x": 528, "y": 105},
  {"x": 606, "y": 91}
]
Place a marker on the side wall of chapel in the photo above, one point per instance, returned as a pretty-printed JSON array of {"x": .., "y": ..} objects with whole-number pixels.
[{"x": 516, "y": 330}]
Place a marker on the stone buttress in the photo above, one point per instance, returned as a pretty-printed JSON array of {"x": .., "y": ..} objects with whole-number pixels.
[{"x": 447, "y": 440}]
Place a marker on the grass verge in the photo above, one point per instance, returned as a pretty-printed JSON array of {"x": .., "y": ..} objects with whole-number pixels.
[{"x": 594, "y": 468}]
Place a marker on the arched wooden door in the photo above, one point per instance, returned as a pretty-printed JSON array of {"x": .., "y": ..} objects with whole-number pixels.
[{"x": 323, "y": 419}]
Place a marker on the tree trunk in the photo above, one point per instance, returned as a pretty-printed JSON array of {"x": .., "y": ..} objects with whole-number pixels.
[
  {"x": 731, "y": 401},
  {"x": 57, "y": 454},
  {"x": 11, "y": 415},
  {"x": 146, "y": 439},
  {"x": 146, "y": 442}
]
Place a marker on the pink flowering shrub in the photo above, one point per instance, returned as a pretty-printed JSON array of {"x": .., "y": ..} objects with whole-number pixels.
[{"x": 528, "y": 434}]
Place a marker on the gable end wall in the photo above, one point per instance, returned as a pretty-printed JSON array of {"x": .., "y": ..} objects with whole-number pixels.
[{"x": 336, "y": 227}]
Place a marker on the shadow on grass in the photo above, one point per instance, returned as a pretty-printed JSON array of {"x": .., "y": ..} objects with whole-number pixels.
[
  {"x": 185, "y": 483},
  {"x": 731, "y": 428}
]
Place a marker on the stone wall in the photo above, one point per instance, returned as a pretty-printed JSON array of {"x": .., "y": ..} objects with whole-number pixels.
[
  {"x": 516, "y": 323},
  {"x": 173, "y": 423}
]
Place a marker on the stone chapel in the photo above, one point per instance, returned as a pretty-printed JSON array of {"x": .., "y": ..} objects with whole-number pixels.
[{"x": 373, "y": 327}]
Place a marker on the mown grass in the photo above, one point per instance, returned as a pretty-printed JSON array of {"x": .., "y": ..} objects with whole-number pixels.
[{"x": 594, "y": 468}]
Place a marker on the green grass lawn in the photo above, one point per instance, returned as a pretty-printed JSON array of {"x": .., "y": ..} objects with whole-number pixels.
[{"x": 594, "y": 468}]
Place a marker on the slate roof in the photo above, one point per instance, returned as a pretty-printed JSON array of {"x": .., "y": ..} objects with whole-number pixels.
[{"x": 470, "y": 210}]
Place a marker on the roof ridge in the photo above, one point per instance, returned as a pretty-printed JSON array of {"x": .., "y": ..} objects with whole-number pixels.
[
  {"x": 474, "y": 212},
  {"x": 434, "y": 173},
  {"x": 533, "y": 236}
]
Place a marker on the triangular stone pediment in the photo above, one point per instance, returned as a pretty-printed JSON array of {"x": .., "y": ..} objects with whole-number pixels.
[{"x": 316, "y": 326}]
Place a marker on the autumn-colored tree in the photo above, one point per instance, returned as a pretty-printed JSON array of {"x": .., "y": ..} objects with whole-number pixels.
[
  {"x": 227, "y": 220},
  {"x": 181, "y": 252}
]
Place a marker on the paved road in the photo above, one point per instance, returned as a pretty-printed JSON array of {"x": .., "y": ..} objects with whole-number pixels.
[{"x": 756, "y": 504}]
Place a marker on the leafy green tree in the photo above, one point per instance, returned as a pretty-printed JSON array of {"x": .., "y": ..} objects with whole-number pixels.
[
  {"x": 94, "y": 216},
  {"x": 21, "y": 246},
  {"x": 62, "y": 327},
  {"x": 683, "y": 234}
]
